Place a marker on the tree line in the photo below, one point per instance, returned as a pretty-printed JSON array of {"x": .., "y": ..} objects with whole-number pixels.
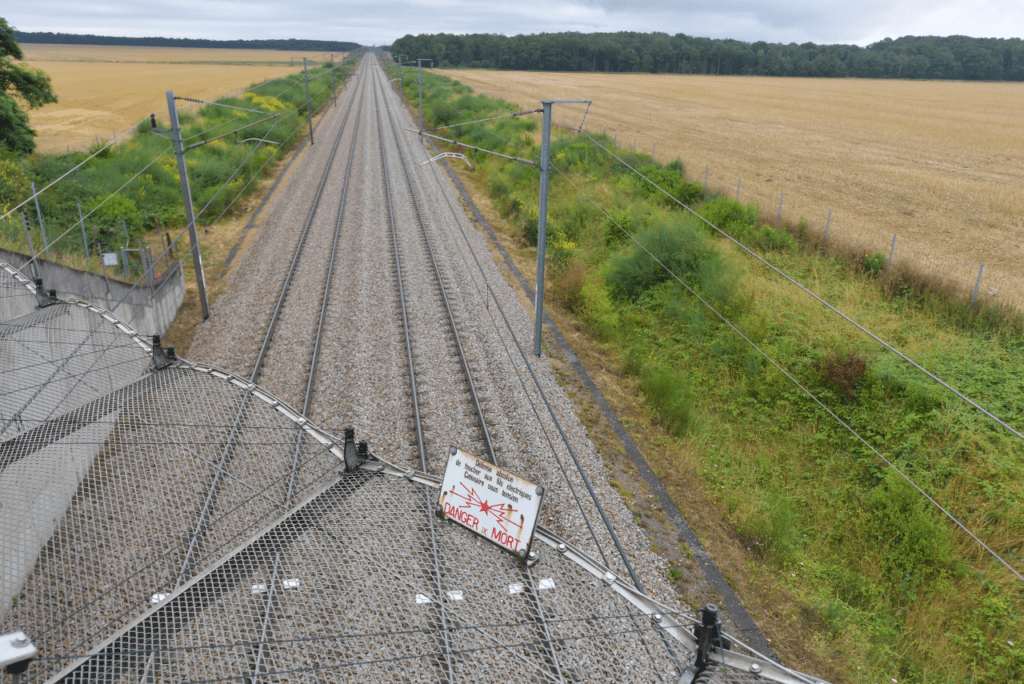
[
  {"x": 273, "y": 44},
  {"x": 910, "y": 57}
]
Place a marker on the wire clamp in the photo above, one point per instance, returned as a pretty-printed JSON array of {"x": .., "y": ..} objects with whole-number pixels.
[
  {"x": 44, "y": 298},
  {"x": 709, "y": 637},
  {"x": 163, "y": 357},
  {"x": 354, "y": 456}
]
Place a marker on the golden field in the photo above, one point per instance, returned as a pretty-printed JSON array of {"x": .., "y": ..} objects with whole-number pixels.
[
  {"x": 938, "y": 163},
  {"x": 102, "y": 89}
]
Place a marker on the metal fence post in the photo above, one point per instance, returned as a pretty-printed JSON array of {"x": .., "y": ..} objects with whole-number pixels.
[
  {"x": 889, "y": 264},
  {"x": 654, "y": 151},
  {"x": 309, "y": 109},
  {"x": 738, "y": 181},
  {"x": 827, "y": 224},
  {"x": 779, "y": 220},
  {"x": 103, "y": 262},
  {"x": 31, "y": 247},
  {"x": 85, "y": 240},
  {"x": 706, "y": 169},
  {"x": 542, "y": 225},
  {"x": 42, "y": 228},
  {"x": 975, "y": 295},
  {"x": 186, "y": 196}
]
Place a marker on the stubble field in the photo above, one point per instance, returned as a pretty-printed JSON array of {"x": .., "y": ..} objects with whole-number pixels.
[
  {"x": 103, "y": 89},
  {"x": 938, "y": 163}
]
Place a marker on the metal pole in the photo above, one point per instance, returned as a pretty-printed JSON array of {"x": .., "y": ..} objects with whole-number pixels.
[
  {"x": 654, "y": 150},
  {"x": 31, "y": 247},
  {"x": 103, "y": 262},
  {"x": 827, "y": 224},
  {"x": 186, "y": 196},
  {"x": 542, "y": 225},
  {"x": 973, "y": 296},
  {"x": 334, "y": 93},
  {"x": 85, "y": 240},
  {"x": 779, "y": 220},
  {"x": 42, "y": 228},
  {"x": 124, "y": 264},
  {"x": 738, "y": 181},
  {"x": 309, "y": 110},
  {"x": 706, "y": 169},
  {"x": 419, "y": 65},
  {"x": 124, "y": 227},
  {"x": 889, "y": 264}
]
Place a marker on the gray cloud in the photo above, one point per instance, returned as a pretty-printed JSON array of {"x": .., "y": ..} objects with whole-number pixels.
[{"x": 820, "y": 21}]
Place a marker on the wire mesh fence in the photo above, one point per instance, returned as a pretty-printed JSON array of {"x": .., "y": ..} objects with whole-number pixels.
[{"x": 167, "y": 521}]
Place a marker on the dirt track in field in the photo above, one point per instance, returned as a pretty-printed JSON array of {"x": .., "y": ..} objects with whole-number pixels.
[{"x": 938, "y": 163}]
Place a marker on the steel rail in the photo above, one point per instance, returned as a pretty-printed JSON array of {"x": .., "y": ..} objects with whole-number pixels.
[
  {"x": 443, "y": 631},
  {"x": 310, "y": 383},
  {"x": 545, "y": 637},
  {"x": 228, "y": 454},
  {"x": 298, "y": 252}
]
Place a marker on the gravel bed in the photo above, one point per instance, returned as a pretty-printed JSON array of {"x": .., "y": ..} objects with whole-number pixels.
[{"x": 363, "y": 376}]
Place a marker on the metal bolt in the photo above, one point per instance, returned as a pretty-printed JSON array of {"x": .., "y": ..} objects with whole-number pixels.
[
  {"x": 755, "y": 668},
  {"x": 20, "y": 641},
  {"x": 562, "y": 548},
  {"x": 657, "y": 618},
  {"x": 533, "y": 555},
  {"x": 521, "y": 553},
  {"x": 439, "y": 512},
  {"x": 453, "y": 450},
  {"x": 609, "y": 578},
  {"x": 540, "y": 490},
  {"x": 409, "y": 474}
]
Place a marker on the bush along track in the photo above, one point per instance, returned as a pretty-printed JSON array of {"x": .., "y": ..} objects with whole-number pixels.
[
  {"x": 269, "y": 119},
  {"x": 885, "y": 586}
]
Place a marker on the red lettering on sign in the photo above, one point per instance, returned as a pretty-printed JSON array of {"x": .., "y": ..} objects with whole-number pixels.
[
  {"x": 504, "y": 539},
  {"x": 461, "y": 515}
]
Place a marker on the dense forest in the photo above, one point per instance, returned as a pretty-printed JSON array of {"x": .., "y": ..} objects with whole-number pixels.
[
  {"x": 930, "y": 57},
  {"x": 278, "y": 44}
]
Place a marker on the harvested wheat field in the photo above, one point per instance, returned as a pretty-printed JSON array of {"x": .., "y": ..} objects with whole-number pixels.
[
  {"x": 938, "y": 163},
  {"x": 104, "y": 89}
]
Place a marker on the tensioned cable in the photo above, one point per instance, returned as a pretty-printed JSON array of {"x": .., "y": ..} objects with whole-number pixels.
[
  {"x": 210, "y": 202},
  {"x": 493, "y": 118},
  {"x": 795, "y": 381},
  {"x": 74, "y": 168},
  {"x": 947, "y": 513},
  {"x": 533, "y": 405},
  {"x": 93, "y": 210},
  {"x": 782, "y": 273},
  {"x": 572, "y": 452}
]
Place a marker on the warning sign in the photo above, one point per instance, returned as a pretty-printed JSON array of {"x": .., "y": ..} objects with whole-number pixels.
[{"x": 490, "y": 501}]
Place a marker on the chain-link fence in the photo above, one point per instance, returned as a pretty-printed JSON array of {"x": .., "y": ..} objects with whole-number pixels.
[{"x": 167, "y": 521}]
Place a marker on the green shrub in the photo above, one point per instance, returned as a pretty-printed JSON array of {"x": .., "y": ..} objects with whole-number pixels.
[
  {"x": 774, "y": 528},
  {"x": 874, "y": 263},
  {"x": 669, "y": 392},
  {"x": 679, "y": 246},
  {"x": 911, "y": 540}
]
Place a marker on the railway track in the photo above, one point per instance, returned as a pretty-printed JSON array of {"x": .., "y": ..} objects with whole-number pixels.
[{"x": 373, "y": 301}]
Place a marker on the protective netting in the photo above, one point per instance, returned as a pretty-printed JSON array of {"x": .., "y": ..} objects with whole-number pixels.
[{"x": 184, "y": 525}]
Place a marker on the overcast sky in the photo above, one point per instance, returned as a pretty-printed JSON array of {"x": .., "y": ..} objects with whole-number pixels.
[{"x": 820, "y": 21}]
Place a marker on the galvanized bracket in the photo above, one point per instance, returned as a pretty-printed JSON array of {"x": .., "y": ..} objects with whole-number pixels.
[
  {"x": 451, "y": 155},
  {"x": 44, "y": 298},
  {"x": 355, "y": 456},
  {"x": 162, "y": 357}
]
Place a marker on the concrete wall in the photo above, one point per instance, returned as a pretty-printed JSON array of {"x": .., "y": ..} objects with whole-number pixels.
[{"x": 150, "y": 312}]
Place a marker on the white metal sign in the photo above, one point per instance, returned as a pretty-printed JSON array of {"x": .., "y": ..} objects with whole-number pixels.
[
  {"x": 110, "y": 258},
  {"x": 492, "y": 502}
]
